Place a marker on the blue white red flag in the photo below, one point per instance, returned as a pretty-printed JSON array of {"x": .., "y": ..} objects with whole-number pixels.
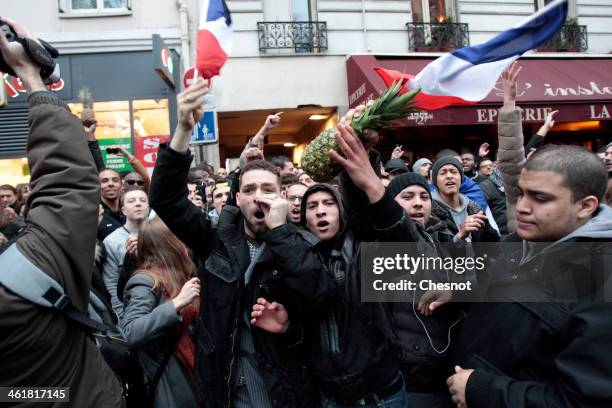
[
  {"x": 467, "y": 75},
  {"x": 214, "y": 37}
]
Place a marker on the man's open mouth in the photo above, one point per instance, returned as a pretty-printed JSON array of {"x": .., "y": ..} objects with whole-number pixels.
[
  {"x": 322, "y": 224},
  {"x": 259, "y": 215}
]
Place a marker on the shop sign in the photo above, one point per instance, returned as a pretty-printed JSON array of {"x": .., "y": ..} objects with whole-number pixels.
[
  {"x": 114, "y": 161},
  {"x": 147, "y": 147}
]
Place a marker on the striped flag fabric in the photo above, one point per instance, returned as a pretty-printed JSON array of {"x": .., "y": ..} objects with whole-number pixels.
[
  {"x": 214, "y": 37},
  {"x": 467, "y": 75}
]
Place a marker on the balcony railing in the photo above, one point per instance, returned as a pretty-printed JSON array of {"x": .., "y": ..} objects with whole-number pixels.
[
  {"x": 437, "y": 36},
  {"x": 571, "y": 38},
  {"x": 300, "y": 36}
]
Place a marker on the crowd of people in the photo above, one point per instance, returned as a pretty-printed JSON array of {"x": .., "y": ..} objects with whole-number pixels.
[{"x": 244, "y": 288}]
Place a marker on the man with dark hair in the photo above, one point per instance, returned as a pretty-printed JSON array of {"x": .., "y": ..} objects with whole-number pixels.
[
  {"x": 239, "y": 364},
  {"x": 553, "y": 352},
  {"x": 8, "y": 196},
  {"x": 287, "y": 180},
  {"x": 294, "y": 193},
  {"x": 110, "y": 190},
  {"x": 220, "y": 194},
  {"x": 284, "y": 165},
  {"x": 469, "y": 165}
]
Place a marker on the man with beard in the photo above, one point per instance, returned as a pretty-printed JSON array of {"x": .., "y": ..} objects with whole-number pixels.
[
  {"x": 294, "y": 195},
  {"x": 110, "y": 189},
  {"x": 545, "y": 344},
  {"x": 239, "y": 364}
]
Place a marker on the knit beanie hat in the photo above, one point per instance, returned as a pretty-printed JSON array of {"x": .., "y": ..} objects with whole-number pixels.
[
  {"x": 405, "y": 180},
  {"x": 443, "y": 162},
  {"x": 419, "y": 163}
]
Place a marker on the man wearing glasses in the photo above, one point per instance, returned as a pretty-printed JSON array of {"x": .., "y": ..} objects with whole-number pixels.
[{"x": 293, "y": 194}]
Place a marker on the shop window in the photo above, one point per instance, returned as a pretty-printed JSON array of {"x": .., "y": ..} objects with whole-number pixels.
[
  {"x": 114, "y": 130},
  {"x": 151, "y": 128},
  {"x": 84, "y": 8}
]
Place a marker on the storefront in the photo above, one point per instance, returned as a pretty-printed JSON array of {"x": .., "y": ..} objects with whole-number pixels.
[
  {"x": 579, "y": 88},
  {"x": 135, "y": 109}
]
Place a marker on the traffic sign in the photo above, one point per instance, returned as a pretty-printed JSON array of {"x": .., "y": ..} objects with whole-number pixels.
[{"x": 207, "y": 130}]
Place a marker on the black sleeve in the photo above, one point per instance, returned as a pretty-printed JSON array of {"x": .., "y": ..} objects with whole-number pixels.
[
  {"x": 233, "y": 181},
  {"x": 314, "y": 289},
  {"x": 583, "y": 370},
  {"x": 390, "y": 221},
  {"x": 356, "y": 203},
  {"x": 94, "y": 148},
  {"x": 535, "y": 142},
  {"x": 168, "y": 197}
]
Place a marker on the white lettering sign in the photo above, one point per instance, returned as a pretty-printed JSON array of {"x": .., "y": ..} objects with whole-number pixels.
[
  {"x": 357, "y": 94},
  {"x": 527, "y": 114},
  {"x": 599, "y": 112}
]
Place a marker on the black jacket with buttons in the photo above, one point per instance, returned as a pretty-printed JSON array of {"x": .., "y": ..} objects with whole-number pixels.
[{"x": 224, "y": 296}]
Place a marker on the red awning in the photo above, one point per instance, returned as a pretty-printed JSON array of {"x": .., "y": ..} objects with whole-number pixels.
[{"x": 579, "y": 88}]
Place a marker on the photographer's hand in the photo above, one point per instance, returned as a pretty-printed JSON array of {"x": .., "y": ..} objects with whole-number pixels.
[{"x": 16, "y": 57}]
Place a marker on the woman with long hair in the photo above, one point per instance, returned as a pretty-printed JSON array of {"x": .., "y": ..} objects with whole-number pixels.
[{"x": 161, "y": 303}]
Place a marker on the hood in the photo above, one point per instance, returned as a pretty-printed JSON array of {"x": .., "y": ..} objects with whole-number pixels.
[
  {"x": 598, "y": 227},
  {"x": 463, "y": 200},
  {"x": 327, "y": 188}
]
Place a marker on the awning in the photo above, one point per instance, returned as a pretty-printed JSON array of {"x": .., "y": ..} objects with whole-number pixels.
[{"x": 579, "y": 88}]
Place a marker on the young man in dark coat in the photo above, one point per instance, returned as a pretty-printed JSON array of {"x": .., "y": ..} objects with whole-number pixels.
[
  {"x": 238, "y": 364},
  {"x": 546, "y": 342}
]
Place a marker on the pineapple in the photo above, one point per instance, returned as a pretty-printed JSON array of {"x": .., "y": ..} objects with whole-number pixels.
[{"x": 391, "y": 105}]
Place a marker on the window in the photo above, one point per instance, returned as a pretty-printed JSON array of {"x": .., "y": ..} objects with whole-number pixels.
[
  {"x": 94, "y": 7},
  {"x": 571, "y": 6},
  {"x": 429, "y": 11}
]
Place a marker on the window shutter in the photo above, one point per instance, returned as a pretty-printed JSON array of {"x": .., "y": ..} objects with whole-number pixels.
[{"x": 13, "y": 131}]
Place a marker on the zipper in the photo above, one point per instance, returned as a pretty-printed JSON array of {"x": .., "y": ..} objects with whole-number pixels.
[{"x": 229, "y": 374}]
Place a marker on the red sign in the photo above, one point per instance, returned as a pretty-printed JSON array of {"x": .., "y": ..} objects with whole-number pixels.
[
  {"x": 14, "y": 86},
  {"x": 188, "y": 77},
  {"x": 146, "y": 148}
]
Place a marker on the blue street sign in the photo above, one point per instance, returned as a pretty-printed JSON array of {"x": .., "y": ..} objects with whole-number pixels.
[{"x": 206, "y": 131}]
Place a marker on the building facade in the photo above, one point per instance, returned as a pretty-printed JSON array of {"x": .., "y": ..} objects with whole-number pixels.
[{"x": 306, "y": 58}]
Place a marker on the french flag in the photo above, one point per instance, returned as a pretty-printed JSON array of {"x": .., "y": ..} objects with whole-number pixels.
[
  {"x": 467, "y": 75},
  {"x": 214, "y": 37}
]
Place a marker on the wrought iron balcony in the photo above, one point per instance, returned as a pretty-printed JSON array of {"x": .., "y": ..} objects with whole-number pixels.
[
  {"x": 300, "y": 36},
  {"x": 571, "y": 38},
  {"x": 443, "y": 36}
]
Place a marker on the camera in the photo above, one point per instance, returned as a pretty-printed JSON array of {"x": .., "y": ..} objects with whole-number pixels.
[{"x": 40, "y": 52}]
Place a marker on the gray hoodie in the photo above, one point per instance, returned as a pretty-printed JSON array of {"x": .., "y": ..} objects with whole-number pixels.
[
  {"x": 459, "y": 214},
  {"x": 598, "y": 227}
]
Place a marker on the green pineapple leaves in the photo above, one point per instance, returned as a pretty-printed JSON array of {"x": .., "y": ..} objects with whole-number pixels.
[{"x": 389, "y": 106}]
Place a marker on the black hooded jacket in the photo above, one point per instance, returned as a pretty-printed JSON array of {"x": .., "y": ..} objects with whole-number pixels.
[{"x": 352, "y": 353}]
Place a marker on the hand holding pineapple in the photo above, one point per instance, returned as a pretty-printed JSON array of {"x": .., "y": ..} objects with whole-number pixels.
[
  {"x": 356, "y": 163},
  {"x": 391, "y": 105}
]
